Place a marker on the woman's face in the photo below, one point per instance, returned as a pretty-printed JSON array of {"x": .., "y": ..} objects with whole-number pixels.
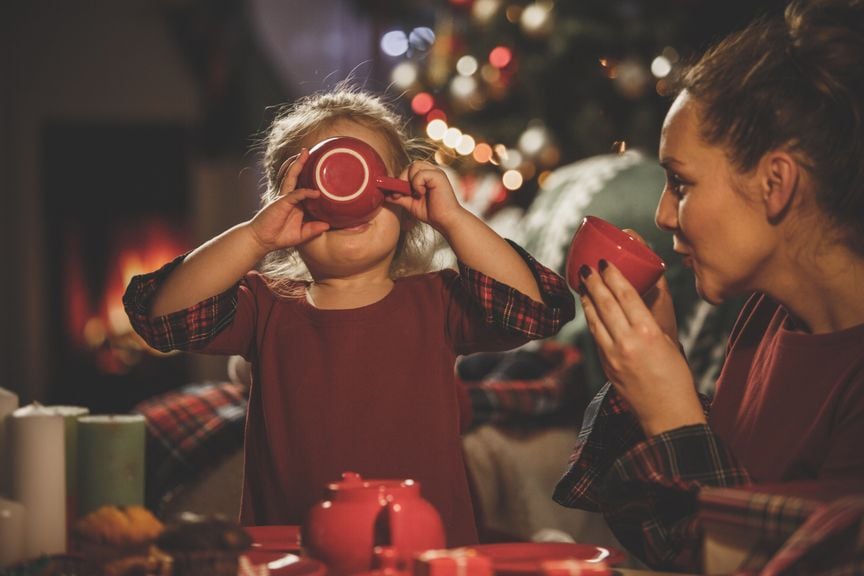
[
  {"x": 369, "y": 246},
  {"x": 714, "y": 213}
]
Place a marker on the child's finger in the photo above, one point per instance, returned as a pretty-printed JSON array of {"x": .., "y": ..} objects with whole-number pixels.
[
  {"x": 298, "y": 195},
  {"x": 290, "y": 170}
]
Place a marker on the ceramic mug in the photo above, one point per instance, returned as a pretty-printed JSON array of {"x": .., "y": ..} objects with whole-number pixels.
[
  {"x": 598, "y": 239},
  {"x": 352, "y": 178}
]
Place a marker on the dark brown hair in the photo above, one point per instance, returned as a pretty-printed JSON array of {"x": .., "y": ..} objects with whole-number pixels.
[{"x": 794, "y": 83}]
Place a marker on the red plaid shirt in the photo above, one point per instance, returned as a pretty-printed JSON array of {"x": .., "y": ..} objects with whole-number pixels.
[{"x": 646, "y": 487}]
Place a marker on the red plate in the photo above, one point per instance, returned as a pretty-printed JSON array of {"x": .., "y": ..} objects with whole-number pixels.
[
  {"x": 282, "y": 564},
  {"x": 522, "y": 558},
  {"x": 275, "y": 538}
]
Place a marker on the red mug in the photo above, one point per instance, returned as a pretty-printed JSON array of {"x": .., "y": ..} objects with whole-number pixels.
[
  {"x": 352, "y": 178},
  {"x": 597, "y": 239}
]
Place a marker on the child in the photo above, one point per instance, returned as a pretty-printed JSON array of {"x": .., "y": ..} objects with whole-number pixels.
[{"x": 352, "y": 345}]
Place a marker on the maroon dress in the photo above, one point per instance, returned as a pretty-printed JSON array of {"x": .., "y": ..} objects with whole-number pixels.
[{"x": 369, "y": 390}]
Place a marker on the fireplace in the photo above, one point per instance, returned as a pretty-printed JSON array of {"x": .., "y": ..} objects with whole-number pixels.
[{"x": 116, "y": 203}]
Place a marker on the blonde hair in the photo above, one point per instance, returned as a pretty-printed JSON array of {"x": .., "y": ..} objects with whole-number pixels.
[{"x": 312, "y": 114}]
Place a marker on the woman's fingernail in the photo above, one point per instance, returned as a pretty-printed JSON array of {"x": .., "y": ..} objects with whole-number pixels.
[
  {"x": 584, "y": 271},
  {"x": 603, "y": 264},
  {"x": 581, "y": 289}
]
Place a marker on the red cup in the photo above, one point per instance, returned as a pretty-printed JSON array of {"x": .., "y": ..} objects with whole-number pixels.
[
  {"x": 597, "y": 239},
  {"x": 352, "y": 178}
]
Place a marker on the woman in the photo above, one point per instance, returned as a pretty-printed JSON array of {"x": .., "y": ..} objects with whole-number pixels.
[{"x": 764, "y": 154}]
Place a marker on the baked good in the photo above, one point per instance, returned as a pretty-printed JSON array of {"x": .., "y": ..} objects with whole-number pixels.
[
  {"x": 206, "y": 545},
  {"x": 114, "y": 534}
]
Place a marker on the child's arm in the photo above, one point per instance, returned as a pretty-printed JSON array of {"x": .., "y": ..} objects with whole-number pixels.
[
  {"x": 221, "y": 262},
  {"x": 472, "y": 240}
]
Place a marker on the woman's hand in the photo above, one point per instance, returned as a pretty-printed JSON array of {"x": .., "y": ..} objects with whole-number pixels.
[
  {"x": 640, "y": 359},
  {"x": 659, "y": 299},
  {"x": 281, "y": 223},
  {"x": 434, "y": 200}
]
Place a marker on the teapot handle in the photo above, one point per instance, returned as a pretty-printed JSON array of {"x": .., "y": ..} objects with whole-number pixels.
[{"x": 390, "y": 184}]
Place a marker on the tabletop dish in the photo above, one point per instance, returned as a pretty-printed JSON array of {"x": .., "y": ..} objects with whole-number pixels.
[{"x": 525, "y": 558}]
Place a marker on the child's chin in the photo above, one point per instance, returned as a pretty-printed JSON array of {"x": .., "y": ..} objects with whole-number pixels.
[{"x": 356, "y": 229}]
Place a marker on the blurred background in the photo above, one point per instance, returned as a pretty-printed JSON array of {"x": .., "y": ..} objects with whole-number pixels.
[{"x": 129, "y": 133}]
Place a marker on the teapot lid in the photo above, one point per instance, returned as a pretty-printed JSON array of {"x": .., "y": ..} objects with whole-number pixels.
[{"x": 353, "y": 481}]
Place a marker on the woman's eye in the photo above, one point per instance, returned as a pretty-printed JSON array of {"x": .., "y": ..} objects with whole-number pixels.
[{"x": 676, "y": 184}]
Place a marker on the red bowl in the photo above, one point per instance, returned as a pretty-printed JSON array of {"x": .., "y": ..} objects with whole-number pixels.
[{"x": 597, "y": 239}]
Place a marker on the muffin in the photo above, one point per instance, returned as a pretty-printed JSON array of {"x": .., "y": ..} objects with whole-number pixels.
[
  {"x": 114, "y": 534},
  {"x": 205, "y": 545}
]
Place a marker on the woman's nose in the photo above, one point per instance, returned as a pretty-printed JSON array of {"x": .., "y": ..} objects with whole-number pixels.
[{"x": 666, "y": 215}]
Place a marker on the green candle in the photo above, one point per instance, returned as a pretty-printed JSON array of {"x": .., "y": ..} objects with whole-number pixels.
[
  {"x": 110, "y": 461},
  {"x": 70, "y": 416}
]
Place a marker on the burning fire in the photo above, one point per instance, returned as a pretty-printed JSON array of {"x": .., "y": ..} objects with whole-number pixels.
[{"x": 97, "y": 322}]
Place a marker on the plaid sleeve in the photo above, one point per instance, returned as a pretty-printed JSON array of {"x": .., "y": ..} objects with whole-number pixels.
[
  {"x": 188, "y": 329},
  {"x": 499, "y": 401},
  {"x": 515, "y": 312},
  {"x": 646, "y": 487},
  {"x": 190, "y": 429}
]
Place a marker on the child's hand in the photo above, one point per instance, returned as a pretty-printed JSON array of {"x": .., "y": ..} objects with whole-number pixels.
[
  {"x": 433, "y": 200},
  {"x": 280, "y": 224}
]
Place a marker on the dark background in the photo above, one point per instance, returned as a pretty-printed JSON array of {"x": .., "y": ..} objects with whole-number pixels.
[{"x": 126, "y": 125}]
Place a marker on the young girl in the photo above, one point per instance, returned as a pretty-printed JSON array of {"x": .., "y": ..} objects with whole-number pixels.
[
  {"x": 352, "y": 345},
  {"x": 765, "y": 196}
]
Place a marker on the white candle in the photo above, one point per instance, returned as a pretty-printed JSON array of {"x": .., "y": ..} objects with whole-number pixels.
[
  {"x": 36, "y": 436},
  {"x": 8, "y": 404},
  {"x": 13, "y": 519}
]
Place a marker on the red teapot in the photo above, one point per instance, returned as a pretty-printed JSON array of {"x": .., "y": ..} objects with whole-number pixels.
[
  {"x": 352, "y": 178},
  {"x": 359, "y": 514}
]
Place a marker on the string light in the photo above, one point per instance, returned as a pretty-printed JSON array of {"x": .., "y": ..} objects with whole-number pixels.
[
  {"x": 436, "y": 129},
  {"x": 466, "y": 145},
  {"x": 466, "y": 65},
  {"x": 661, "y": 66},
  {"x": 452, "y": 137},
  {"x": 404, "y": 75},
  {"x": 482, "y": 153},
  {"x": 500, "y": 57},
  {"x": 422, "y": 103},
  {"x": 394, "y": 43},
  {"x": 512, "y": 180}
]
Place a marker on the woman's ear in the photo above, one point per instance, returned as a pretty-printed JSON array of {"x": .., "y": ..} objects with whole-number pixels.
[{"x": 779, "y": 181}]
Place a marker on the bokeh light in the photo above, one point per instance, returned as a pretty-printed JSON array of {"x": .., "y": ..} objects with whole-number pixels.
[
  {"x": 422, "y": 103},
  {"x": 436, "y": 129},
  {"x": 512, "y": 179},
  {"x": 466, "y": 145},
  {"x": 452, "y": 137},
  {"x": 484, "y": 10},
  {"x": 466, "y": 65},
  {"x": 421, "y": 39},
  {"x": 404, "y": 75},
  {"x": 436, "y": 114},
  {"x": 482, "y": 153},
  {"x": 463, "y": 86},
  {"x": 536, "y": 19},
  {"x": 661, "y": 67},
  {"x": 394, "y": 43},
  {"x": 532, "y": 141},
  {"x": 500, "y": 57}
]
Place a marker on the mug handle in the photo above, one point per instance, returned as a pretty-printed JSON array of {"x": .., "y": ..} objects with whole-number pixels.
[{"x": 393, "y": 185}]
